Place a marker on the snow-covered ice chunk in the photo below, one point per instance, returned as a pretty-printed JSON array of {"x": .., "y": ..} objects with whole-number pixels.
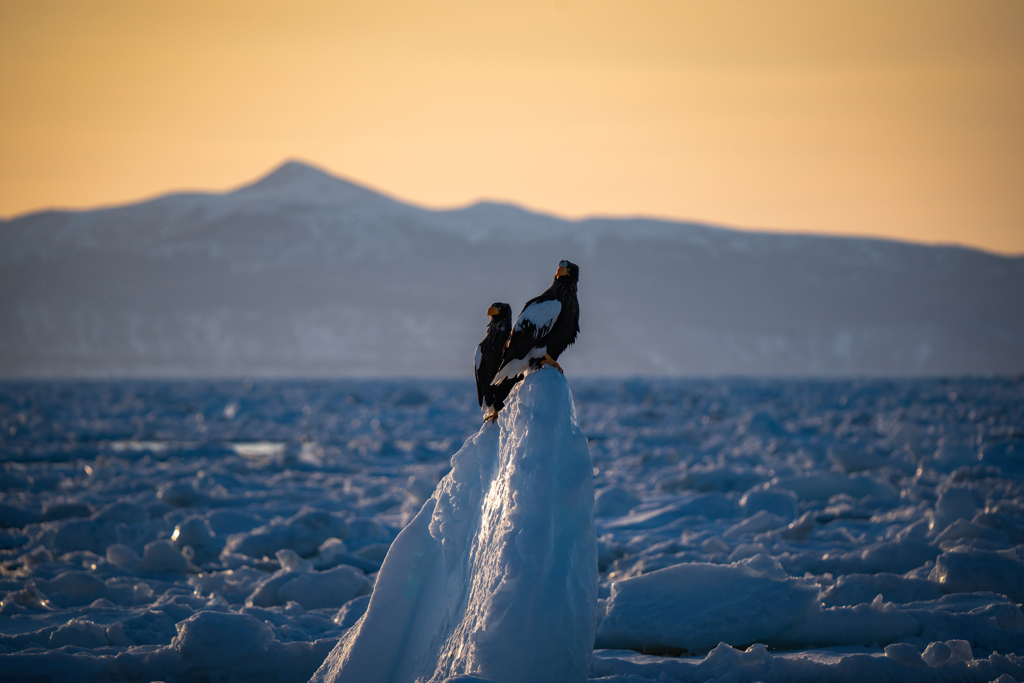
[
  {"x": 26, "y": 600},
  {"x": 64, "y": 509},
  {"x": 182, "y": 493},
  {"x": 364, "y": 531},
  {"x": 73, "y": 587},
  {"x": 970, "y": 570},
  {"x": 290, "y": 560},
  {"x": 330, "y": 548},
  {"x": 331, "y": 588},
  {"x": 949, "y": 456},
  {"x": 854, "y": 459},
  {"x": 877, "y": 622},
  {"x": 121, "y": 511},
  {"x": 334, "y": 551},
  {"x": 265, "y": 594},
  {"x": 960, "y": 651},
  {"x": 80, "y": 633},
  {"x": 709, "y": 505},
  {"x": 755, "y": 661},
  {"x": 196, "y": 533},
  {"x": 854, "y": 589},
  {"x": 303, "y": 533},
  {"x": 693, "y": 607},
  {"x": 1005, "y": 454},
  {"x": 936, "y": 654},
  {"x": 497, "y": 574},
  {"x": 236, "y": 647},
  {"x": 225, "y": 522},
  {"x": 9, "y": 541},
  {"x": 79, "y": 534},
  {"x": 351, "y": 611},
  {"x": 963, "y": 531},
  {"x": 906, "y": 654},
  {"x": 956, "y": 502},
  {"x": 781, "y": 502},
  {"x": 760, "y": 521},
  {"x": 162, "y": 557},
  {"x": 824, "y": 485},
  {"x": 614, "y": 501},
  {"x": 121, "y": 555},
  {"x": 297, "y": 581}
]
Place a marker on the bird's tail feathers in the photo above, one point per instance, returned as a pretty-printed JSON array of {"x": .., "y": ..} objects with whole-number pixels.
[
  {"x": 500, "y": 377},
  {"x": 516, "y": 367}
]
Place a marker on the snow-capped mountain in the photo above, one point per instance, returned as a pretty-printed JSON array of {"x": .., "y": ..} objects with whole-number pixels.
[{"x": 305, "y": 274}]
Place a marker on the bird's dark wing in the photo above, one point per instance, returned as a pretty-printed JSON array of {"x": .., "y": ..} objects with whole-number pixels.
[
  {"x": 476, "y": 375},
  {"x": 534, "y": 323},
  {"x": 536, "y": 320},
  {"x": 564, "y": 333},
  {"x": 540, "y": 315}
]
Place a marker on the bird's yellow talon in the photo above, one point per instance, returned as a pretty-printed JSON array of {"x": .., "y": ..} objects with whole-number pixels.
[{"x": 548, "y": 360}]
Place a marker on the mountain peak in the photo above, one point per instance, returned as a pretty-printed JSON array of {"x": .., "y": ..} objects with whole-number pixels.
[
  {"x": 298, "y": 181},
  {"x": 294, "y": 171}
]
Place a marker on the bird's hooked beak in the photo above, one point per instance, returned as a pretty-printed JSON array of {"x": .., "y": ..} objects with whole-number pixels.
[
  {"x": 562, "y": 270},
  {"x": 493, "y": 310}
]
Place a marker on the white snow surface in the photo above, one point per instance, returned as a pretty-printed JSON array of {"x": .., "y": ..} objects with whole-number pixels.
[
  {"x": 746, "y": 530},
  {"x": 497, "y": 574}
]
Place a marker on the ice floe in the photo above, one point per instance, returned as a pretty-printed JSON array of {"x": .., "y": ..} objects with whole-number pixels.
[
  {"x": 745, "y": 530},
  {"x": 497, "y": 574}
]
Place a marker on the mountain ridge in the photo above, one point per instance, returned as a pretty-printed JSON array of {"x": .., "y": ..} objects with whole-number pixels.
[
  {"x": 292, "y": 172},
  {"x": 301, "y": 273}
]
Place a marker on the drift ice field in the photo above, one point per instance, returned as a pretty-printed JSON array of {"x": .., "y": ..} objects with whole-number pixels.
[{"x": 745, "y": 530}]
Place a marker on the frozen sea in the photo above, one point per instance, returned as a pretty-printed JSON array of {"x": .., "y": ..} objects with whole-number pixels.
[{"x": 747, "y": 529}]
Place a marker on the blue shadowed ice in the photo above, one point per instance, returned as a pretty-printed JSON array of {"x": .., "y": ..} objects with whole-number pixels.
[
  {"x": 746, "y": 530},
  {"x": 497, "y": 574}
]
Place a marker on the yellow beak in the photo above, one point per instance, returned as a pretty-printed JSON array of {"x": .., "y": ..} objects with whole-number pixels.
[
  {"x": 493, "y": 310},
  {"x": 562, "y": 270}
]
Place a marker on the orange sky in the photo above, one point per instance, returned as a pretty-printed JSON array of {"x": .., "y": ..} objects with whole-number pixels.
[{"x": 899, "y": 118}]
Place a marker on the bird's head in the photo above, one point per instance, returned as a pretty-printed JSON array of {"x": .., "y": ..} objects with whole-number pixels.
[
  {"x": 499, "y": 311},
  {"x": 567, "y": 272}
]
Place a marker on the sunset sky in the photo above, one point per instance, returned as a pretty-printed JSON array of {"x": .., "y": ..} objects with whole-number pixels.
[{"x": 896, "y": 118}]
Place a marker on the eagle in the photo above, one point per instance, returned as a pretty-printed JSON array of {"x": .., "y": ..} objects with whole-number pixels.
[
  {"x": 547, "y": 325},
  {"x": 488, "y": 358}
]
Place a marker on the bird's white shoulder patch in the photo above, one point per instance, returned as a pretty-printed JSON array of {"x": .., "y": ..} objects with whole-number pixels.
[
  {"x": 477, "y": 357},
  {"x": 542, "y": 314},
  {"x": 519, "y": 366}
]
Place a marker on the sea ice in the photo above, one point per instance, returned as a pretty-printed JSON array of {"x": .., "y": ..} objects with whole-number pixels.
[
  {"x": 908, "y": 543},
  {"x": 969, "y": 570},
  {"x": 497, "y": 574},
  {"x": 692, "y": 607}
]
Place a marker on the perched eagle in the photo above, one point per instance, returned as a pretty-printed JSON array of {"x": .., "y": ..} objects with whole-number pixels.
[
  {"x": 548, "y": 324},
  {"x": 488, "y": 358}
]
